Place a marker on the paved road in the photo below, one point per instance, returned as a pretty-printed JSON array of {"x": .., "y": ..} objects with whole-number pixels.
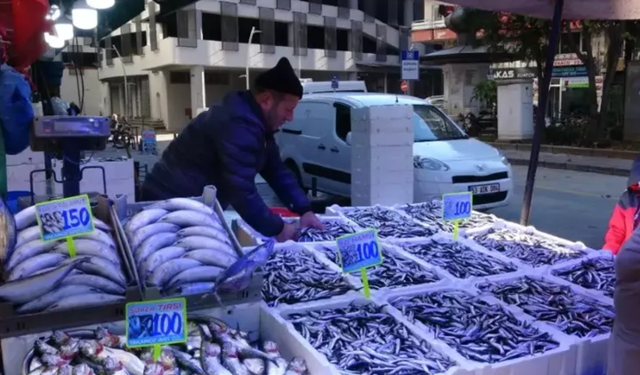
[{"x": 568, "y": 204}]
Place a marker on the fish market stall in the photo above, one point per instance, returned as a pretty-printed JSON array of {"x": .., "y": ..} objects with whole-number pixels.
[{"x": 430, "y": 213}]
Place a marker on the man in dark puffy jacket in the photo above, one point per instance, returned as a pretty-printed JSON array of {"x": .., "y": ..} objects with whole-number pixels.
[{"x": 231, "y": 143}]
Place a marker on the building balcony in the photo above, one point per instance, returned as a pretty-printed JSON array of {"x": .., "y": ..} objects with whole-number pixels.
[{"x": 428, "y": 25}]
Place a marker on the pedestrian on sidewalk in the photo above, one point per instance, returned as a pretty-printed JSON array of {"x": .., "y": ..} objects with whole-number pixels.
[
  {"x": 624, "y": 344},
  {"x": 626, "y": 213}
]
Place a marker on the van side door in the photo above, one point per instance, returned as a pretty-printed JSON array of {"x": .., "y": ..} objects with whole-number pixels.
[
  {"x": 338, "y": 156},
  {"x": 317, "y": 124}
]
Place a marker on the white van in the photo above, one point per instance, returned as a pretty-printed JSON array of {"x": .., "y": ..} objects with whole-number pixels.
[
  {"x": 310, "y": 87},
  {"x": 316, "y": 145}
]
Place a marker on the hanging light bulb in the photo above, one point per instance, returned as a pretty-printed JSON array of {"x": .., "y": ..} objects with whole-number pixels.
[
  {"x": 84, "y": 17},
  {"x": 54, "y": 13},
  {"x": 64, "y": 28},
  {"x": 53, "y": 41},
  {"x": 101, "y": 4}
]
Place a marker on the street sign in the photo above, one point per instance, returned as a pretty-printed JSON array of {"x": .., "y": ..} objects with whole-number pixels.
[
  {"x": 334, "y": 83},
  {"x": 360, "y": 251},
  {"x": 410, "y": 65},
  {"x": 404, "y": 86}
]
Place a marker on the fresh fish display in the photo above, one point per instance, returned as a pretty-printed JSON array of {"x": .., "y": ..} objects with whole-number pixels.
[
  {"x": 211, "y": 349},
  {"x": 530, "y": 249},
  {"x": 477, "y": 330},
  {"x": 430, "y": 213},
  {"x": 556, "y": 305},
  {"x": 394, "y": 272},
  {"x": 459, "y": 260},
  {"x": 179, "y": 245},
  {"x": 332, "y": 230},
  {"x": 598, "y": 274},
  {"x": 8, "y": 234},
  {"x": 292, "y": 275},
  {"x": 40, "y": 276},
  {"x": 366, "y": 340},
  {"x": 388, "y": 223}
]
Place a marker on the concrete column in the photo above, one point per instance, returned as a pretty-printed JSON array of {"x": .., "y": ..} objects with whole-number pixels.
[
  {"x": 515, "y": 110},
  {"x": 459, "y": 83},
  {"x": 198, "y": 93},
  {"x": 408, "y": 12},
  {"x": 353, "y": 4},
  {"x": 290, "y": 35},
  {"x": 194, "y": 23}
]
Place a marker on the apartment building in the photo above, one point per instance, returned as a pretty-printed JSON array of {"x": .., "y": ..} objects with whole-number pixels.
[{"x": 176, "y": 64}]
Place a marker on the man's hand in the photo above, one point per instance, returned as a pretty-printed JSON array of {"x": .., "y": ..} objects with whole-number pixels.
[
  {"x": 310, "y": 220},
  {"x": 289, "y": 232}
]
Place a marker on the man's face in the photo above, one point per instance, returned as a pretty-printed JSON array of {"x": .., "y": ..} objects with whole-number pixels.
[{"x": 278, "y": 108}]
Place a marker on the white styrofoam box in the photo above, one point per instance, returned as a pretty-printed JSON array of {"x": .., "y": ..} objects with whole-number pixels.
[
  {"x": 367, "y": 176},
  {"x": 27, "y": 156},
  {"x": 282, "y": 319},
  {"x": 352, "y": 281},
  {"x": 599, "y": 255},
  {"x": 448, "y": 238},
  {"x": 384, "y": 155},
  {"x": 382, "y": 139},
  {"x": 321, "y": 250},
  {"x": 382, "y": 118},
  {"x": 384, "y": 194},
  {"x": 501, "y": 224},
  {"x": 558, "y": 361}
]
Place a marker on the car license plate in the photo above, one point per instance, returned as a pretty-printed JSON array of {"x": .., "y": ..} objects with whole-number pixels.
[{"x": 484, "y": 189}]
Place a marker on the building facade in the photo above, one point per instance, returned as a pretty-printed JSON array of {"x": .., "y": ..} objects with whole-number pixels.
[{"x": 176, "y": 65}]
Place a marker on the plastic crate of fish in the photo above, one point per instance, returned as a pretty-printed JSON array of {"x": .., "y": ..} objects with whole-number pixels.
[
  {"x": 389, "y": 223},
  {"x": 532, "y": 230},
  {"x": 528, "y": 246},
  {"x": 430, "y": 213},
  {"x": 180, "y": 246},
  {"x": 398, "y": 270},
  {"x": 294, "y": 275},
  {"x": 483, "y": 332},
  {"x": 595, "y": 273},
  {"x": 462, "y": 259},
  {"x": 335, "y": 226},
  {"x": 46, "y": 289},
  {"x": 260, "y": 345},
  {"x": 358, "y": 336}
]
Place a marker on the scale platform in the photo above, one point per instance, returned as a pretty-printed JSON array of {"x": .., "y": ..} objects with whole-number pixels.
[{"x": 87, "y": 133}]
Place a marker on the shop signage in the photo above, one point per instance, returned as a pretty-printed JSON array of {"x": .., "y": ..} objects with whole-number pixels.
[
  {"x": 514, "y": 73},
  {"x": 64, "y": 219},
  {"x": 156, "y": 323},
  {"x": 410, "y": 65},
  {"x": 566, "y": 59},
  {"x": 569, "y": 71},
  {"x": 359, "y": 251},
  {"x": 456, "y": 206}
]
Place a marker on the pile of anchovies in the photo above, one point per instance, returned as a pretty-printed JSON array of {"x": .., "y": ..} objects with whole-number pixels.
[
  {"x": 430, "y": 213},
  {"x": 292, "y": 275},
  {"x": 365, "y": 340},
  {"x": 477, "y": 330},
  {"x": 394, "y": 272},
  {"x": 598, "y": 274},
  {"x": 390, "y": 224},
  {"x": 533, "y": 250},
  {"x": 332, "y": 230},
  {"x": 555, "y": 304},
  {"x": 459, "y": 260}
]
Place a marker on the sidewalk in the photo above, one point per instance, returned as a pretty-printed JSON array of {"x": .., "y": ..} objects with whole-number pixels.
[{"x": 610, "y": 166}]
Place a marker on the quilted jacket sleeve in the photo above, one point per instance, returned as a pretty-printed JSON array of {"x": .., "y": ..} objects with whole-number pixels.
[
  {"x": 616, "y": 234},
  {"x": 281, "y": 180},
  {"x": 239, "y": 147}
]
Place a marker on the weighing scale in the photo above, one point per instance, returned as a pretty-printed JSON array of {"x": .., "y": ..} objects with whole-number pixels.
[{"x": 67, "y": 137}]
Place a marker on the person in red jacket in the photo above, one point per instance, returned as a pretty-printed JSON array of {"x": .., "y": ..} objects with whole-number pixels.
[{"x": 626, "y": 213}]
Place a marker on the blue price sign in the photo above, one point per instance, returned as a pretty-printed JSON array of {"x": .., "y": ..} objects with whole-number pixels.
[
  {"x": 359, "y": 250},
  {"x": 64, "y": 218},
  {"x": 457, "y": 206},
  {"x": 156, "y": 323}
]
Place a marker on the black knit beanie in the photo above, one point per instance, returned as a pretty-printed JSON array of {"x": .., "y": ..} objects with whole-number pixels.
[{"x": 281, "y": 78}]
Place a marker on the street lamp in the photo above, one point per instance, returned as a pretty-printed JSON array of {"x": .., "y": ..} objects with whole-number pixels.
[{"x": 254, "y": 31}]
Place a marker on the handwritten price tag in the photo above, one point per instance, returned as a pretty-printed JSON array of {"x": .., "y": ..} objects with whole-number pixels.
[
  {"x": 456, "y": 206},
  {"x": 64, "y": 218},
  {"x": 359, "y": 251},
  {"x": 156, "y": 323}
]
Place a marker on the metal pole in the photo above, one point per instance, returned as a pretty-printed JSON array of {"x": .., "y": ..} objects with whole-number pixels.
[
  {"x": 542, "y": 109},
  {"x": 126, "y": 84},
  {"x": 246, "y": 73}
]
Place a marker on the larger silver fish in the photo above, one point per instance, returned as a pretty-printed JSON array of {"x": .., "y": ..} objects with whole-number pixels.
[
  {"x": 255, "y": 366},
  {"x": 231, "y": 361},
  {"x": 190, "y": 289},
  {"x": 200, "y": 242},
  {"x": 185, "y": 218},
  {"x": 140, "y": 235},
  {"x": 210, "y": 360},
  {"x": 101, "y": 225},
  {"x": 85, "y": 247},
  {"x": 296, "y": 367},
  {"x": 98, "y": 282},
  {"x": 178, "y": 204},
  {"x": 153, "y": 244},
  {"x": 26, "y": 290},
  {"x": 211, "y": 257},
  {"x": 217, "y": 233},
  {"x": 32, "y": 265},
  {"x": 279, "y": 364},
  {"x": 164, "y": 273},
  {"x": 132, "y": 364},
  {"x": 143, "y": 218},
  {"x": 7, "y": 232},
  {"x": 54, "y": 296},
  {"x": 26, "y": 218},
  {"x": 101, "y": 267},
  {"x": 158, "y": 258},
  {"x": 84, "y": 300},
  {"x": 100, "y": 236},
  {"x": 28, "y": 235},
  {"x": 28, "y": 250},
  {"x": 195, "y": 275}
]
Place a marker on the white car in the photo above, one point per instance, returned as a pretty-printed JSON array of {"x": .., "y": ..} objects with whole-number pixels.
[{"x": 316, "y": 144}]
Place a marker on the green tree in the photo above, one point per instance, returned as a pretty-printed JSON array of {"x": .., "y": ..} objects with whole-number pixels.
[{"x": 486, "y": 92}]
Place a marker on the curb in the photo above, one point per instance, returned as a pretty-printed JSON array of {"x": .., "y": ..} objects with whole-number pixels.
[
  {"x": 577, "y": 151},
  {"x": 624, "y": 172}
]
